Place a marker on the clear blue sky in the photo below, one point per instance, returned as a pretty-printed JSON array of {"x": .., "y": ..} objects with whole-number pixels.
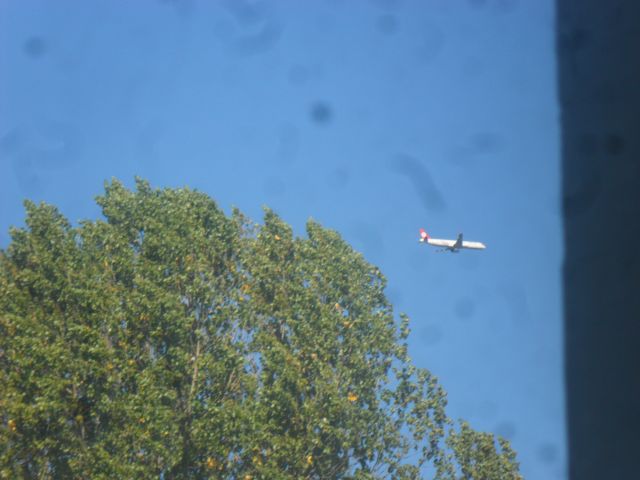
[{"x": 375, "y": 118}]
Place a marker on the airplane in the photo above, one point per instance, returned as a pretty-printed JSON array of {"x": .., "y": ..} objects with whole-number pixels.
[{"x": 453, "y": 246}]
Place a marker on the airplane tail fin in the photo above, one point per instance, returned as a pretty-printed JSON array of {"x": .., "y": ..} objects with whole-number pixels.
[
  {"x": 458, "y": 243},
  {"x": 424, "y": 236}
]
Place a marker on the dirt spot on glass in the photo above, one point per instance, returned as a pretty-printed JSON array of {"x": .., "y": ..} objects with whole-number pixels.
[
  {"x": 321, "y": 113},
  {"x": 35, "y": 47}
]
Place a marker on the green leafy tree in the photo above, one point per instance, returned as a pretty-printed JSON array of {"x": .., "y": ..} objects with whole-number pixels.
[{"x": 172, "y": 341}]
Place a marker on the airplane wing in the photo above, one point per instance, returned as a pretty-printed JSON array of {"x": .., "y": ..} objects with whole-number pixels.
[{"x": 458, "y": 243}]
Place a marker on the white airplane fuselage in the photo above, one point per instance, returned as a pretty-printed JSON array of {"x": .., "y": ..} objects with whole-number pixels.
[
  {"x": 450, "y": 245},
  {"x": 439, "y": 242}
]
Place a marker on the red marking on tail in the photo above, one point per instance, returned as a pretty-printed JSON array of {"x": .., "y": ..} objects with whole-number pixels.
[{"x": 423, "y": 234}]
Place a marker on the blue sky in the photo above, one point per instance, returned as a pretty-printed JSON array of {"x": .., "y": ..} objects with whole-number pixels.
[{"x": 375, "y": 118}]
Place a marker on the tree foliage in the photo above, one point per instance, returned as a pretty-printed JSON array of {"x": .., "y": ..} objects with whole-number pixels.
[{"x": 172, "y": 341}]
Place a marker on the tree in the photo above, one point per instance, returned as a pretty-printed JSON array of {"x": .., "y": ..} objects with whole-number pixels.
[{"x": 172, "y": 341}]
